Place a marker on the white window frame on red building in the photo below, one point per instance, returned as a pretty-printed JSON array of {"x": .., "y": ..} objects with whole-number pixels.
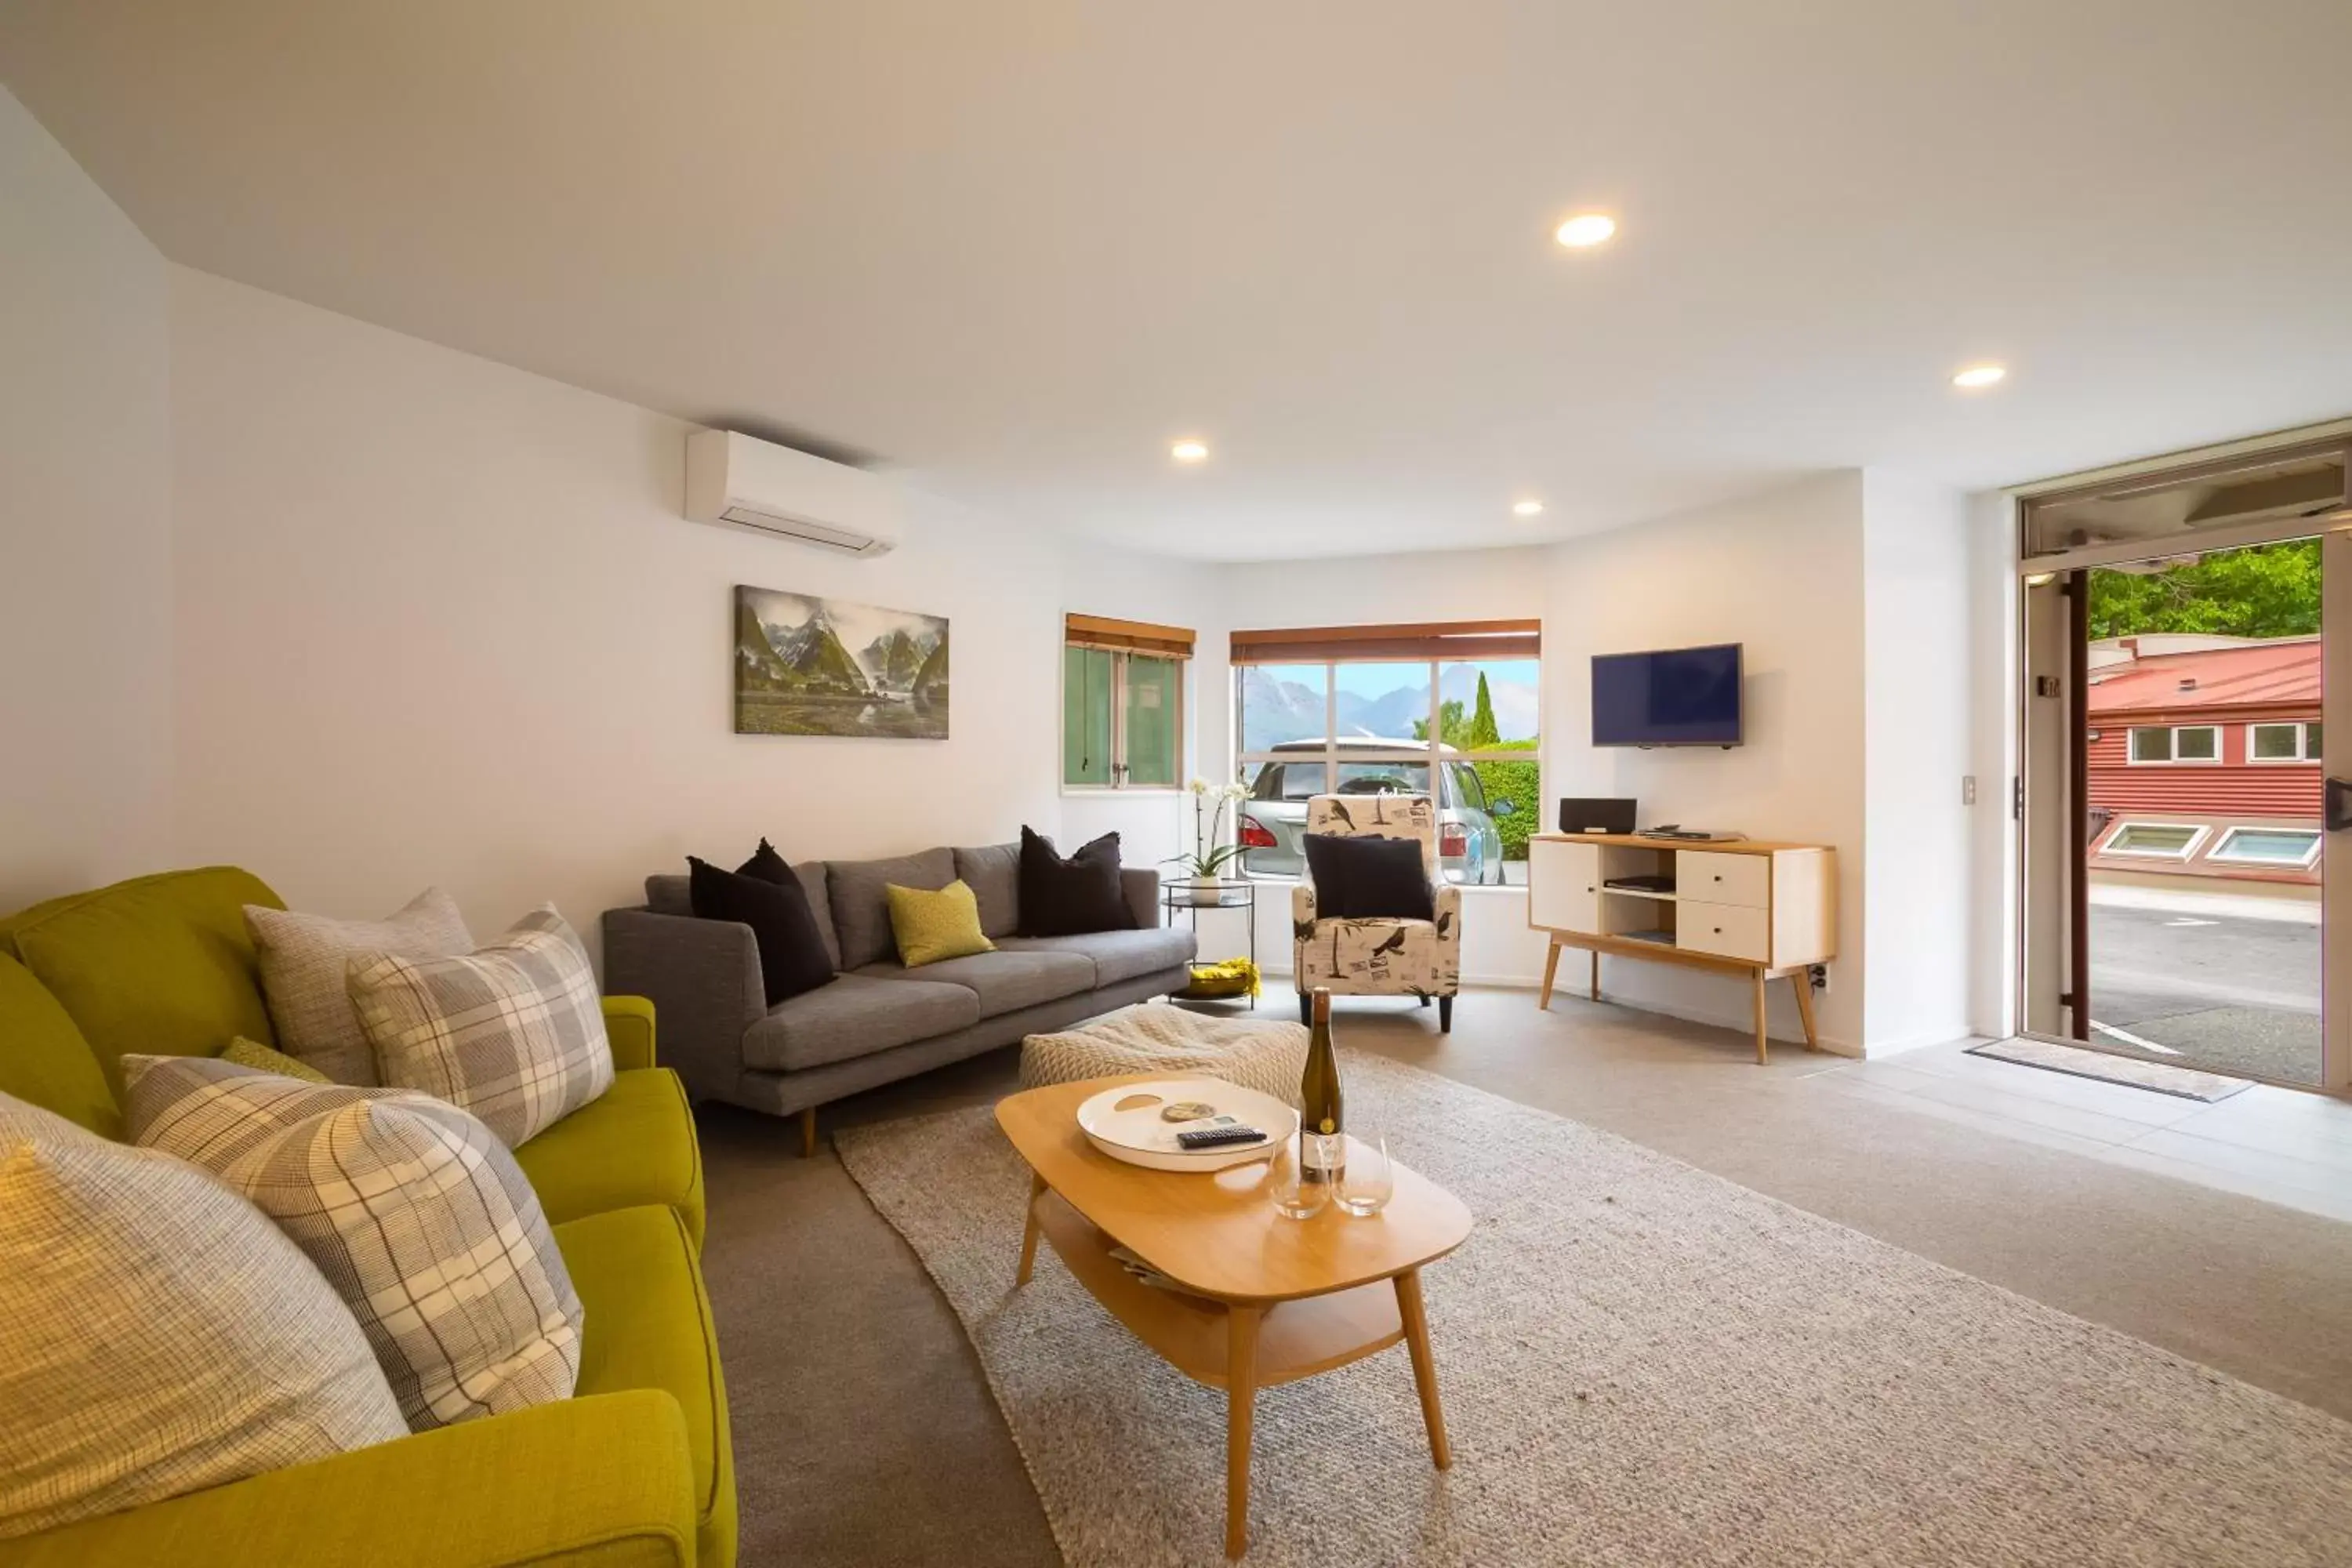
[
  {"x": 2171, "y": 733},
  {"x": 2304, "y": 753}
]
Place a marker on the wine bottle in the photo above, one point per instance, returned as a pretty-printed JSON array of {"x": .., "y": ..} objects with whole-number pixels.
[{"x": 1322, "y": 1147}]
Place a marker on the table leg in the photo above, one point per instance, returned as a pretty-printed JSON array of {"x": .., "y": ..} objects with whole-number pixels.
[
  {"x": 1759, "y": 983},
  {"x": 1803, "y": 980},
  {"x": 1029, "y": 1232},
  {"x": 1424, "y": 1365},
  {"x": 1551, "y": 967},
  {"x": 1249, "y": 913},
  {"x": 1241, "y": 1408}
]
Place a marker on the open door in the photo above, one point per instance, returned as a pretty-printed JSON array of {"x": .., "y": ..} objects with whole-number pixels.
[{"x": 2185, "y": 788}]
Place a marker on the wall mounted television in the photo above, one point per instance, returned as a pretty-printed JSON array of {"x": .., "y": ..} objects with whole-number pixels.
[{"x": 1672, "y": 697}]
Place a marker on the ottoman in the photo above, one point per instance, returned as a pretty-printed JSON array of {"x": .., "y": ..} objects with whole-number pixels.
[{"x": 1266, "y": 1056}]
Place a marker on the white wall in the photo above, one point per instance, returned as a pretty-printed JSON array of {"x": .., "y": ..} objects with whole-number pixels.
[
  {"x": 85, "y": 530},
  {"x": 440, "y": 621},
  {"x": 1781, "y": 573},
  {"x": 1919, "y": 661},
  {"x": 1994, "y": 757}
]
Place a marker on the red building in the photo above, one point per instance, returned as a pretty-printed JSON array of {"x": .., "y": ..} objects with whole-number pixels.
[{"x": 2204, "y": 759}]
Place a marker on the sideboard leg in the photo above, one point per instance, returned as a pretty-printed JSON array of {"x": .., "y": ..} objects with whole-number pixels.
[
  {"x": 1551, "y": 967},
  {"x": 1596, "y": 974},
  {"x": 1761, "y": 1035},
  {"x": 1803, "y": 980}
]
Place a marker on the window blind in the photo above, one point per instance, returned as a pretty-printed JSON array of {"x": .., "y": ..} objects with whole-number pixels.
[
  {"x": 1130, "y": 636},
  {"x": 1419, "y": 639}
]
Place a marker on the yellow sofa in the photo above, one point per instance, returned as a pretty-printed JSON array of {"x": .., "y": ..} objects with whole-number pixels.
[{"x": 636, "y": 1469}]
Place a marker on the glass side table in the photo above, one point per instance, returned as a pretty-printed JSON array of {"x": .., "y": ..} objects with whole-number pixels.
[{"x": 1182, "y": 898}]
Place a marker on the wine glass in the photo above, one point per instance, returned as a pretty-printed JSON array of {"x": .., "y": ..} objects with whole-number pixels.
[
  {"x": 1369, "y": 1180},
  {"x": 1294, "y": 1196}
]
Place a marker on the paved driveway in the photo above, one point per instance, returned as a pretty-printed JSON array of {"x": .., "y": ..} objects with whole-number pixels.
[{"x": 2226, "y": 992}]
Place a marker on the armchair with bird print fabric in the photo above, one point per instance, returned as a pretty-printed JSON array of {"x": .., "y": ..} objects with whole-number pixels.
[{"x": 1379, "y": 957}]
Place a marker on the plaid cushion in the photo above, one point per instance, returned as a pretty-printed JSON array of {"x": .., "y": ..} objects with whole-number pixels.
[
  {"x": 156, "y": 1334},
  {"x": 514, "y": 1033},
  {"x": 419, "y": 1217},
  {"x": 306, "y": 970}
]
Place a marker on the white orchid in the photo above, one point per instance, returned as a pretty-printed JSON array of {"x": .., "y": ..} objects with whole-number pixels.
[{"x": 1211, "y": 853}]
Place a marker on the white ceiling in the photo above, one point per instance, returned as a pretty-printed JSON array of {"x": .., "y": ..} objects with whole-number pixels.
[{"x": 1017, "y": 246}]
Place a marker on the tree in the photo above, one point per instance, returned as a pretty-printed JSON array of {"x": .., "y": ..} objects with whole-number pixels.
[
  {"x": 2267, "y": 591},
  {"x": 1485, "y": 734},
  {"x": 1452, "y": 729}
]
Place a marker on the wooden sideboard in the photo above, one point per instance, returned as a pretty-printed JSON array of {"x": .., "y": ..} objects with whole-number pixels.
[{"x": 1748, "y": 907}]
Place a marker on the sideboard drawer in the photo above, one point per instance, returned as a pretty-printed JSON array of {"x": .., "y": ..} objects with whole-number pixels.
[
  {"x": 1727, "y": 931},
  {"x": 1718, "y": 878}
]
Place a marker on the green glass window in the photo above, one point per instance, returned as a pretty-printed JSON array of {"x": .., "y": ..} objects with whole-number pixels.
[
  {"x": 1122, "y": 719},
  {"x": 1153, "y": 699},
  {"x": 1087, "y": 716}
]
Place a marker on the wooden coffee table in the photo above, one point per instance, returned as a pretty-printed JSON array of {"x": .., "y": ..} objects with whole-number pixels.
[{"x": 1264, "y": 1299}]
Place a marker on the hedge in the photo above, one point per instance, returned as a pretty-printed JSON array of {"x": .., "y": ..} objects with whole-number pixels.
[{"x": 1521, "y": 783}]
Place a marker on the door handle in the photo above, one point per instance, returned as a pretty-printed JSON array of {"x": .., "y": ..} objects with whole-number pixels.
[{"x": 2339, "y": 805}]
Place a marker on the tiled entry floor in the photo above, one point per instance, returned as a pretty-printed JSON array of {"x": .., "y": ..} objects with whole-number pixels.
[{"x": 2277, "y": 1145}]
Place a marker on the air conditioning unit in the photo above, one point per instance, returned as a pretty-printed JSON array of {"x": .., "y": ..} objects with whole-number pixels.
[{"x": 749, "y": 483}]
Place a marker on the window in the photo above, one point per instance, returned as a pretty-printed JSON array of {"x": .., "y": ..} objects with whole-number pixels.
[
  {"x": 2156, "y": 840},
  {"x": 2282, "y": 744},
  {"x": 2185, "y": 743},
  {"x": 1122, "y": 703},
  {"x": 1360, "y": 710},
  {"x": 2268, "y": 846}
]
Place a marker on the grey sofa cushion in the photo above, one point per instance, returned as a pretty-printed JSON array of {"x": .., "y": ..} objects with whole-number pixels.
[
  {"x": 1116, "y": 955},
  {"x": 673, "y": 896},
  {"x": 992, "y": 872},
  {"x": 1004, "y": 982},
  {"x": 861, "y": 909},
  {"x": 854, "y": 1015},
  {"x": 666, "y": 895}
]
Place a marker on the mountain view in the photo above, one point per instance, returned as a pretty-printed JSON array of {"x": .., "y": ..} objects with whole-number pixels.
[
  {"x": 808, "y": 658},
  {"x": 895, "y": 659},
  {"x": 1382, "y": 700},
  {"x": 796, "y": 674}
]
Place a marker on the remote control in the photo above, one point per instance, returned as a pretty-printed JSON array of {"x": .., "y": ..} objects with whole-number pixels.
[{"x": 1218, "y": 1137}]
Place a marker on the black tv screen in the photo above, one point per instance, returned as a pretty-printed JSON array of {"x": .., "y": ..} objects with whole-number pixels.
[{"x": 1676, "y": 697}]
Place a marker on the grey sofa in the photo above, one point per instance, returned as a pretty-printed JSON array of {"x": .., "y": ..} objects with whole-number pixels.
[{"x": 876, "y": 1021}]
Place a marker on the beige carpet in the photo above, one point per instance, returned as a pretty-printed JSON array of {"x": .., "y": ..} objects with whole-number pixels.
[{"x": 1642, "y": 1364}]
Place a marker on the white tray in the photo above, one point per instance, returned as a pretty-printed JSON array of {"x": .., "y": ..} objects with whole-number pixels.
[{"x": 1139, "y": 1137}]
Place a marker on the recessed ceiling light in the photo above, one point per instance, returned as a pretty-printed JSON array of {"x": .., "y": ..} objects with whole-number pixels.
[
  {"x": 1526, "y": 509},
  {"x": 1977, "y": 376},
  {"x": 1190, "y": 451},
  {"x": 1585, "y": 229}
]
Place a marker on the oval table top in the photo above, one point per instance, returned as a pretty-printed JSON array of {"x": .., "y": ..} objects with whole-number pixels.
[{"x": 1217, "y": 1234}]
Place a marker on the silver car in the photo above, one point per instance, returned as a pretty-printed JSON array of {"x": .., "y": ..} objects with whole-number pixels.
[{"x": 1274, "y": 817}]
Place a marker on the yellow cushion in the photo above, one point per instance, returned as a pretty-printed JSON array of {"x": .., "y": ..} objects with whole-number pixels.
[
  {"x": 933, "y": 926},
  {"x": 252, "y": 1054}
]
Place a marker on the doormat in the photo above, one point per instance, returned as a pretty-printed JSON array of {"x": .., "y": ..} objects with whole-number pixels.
[{"x": 2186, "y": 1083}]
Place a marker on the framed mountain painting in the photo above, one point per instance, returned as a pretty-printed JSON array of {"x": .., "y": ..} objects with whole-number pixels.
[{"x": 810, "y": 666}]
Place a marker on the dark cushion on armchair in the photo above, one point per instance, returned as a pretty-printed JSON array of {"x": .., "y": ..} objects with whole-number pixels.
[{"x": 1368, "y": 878}]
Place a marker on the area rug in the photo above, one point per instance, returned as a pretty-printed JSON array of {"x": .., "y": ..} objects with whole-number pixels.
[
  {"x": 2182, "y": 1083},
  {"x": 1642, "y": 1364}
]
